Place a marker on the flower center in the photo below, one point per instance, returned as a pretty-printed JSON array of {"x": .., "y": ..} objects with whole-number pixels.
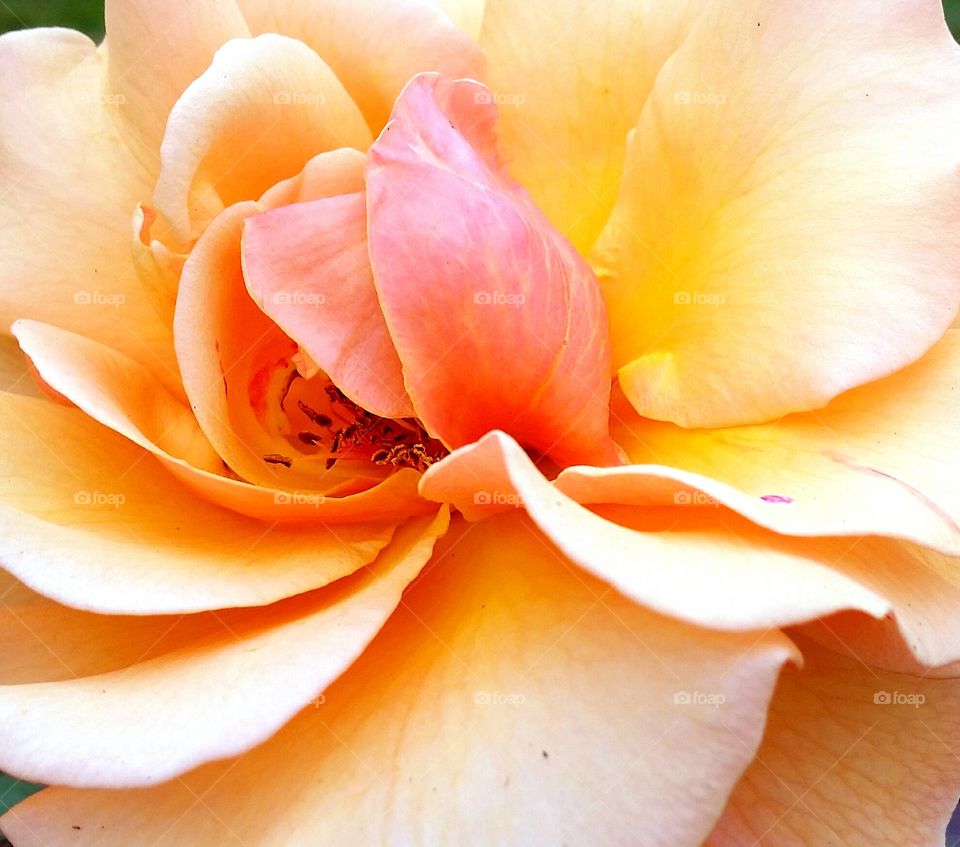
[{"x": 337, "y": 429}]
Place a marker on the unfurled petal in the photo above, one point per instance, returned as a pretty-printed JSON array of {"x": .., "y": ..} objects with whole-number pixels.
[
  {"x": 262, "y": 110},
  {"x": 374, "y": 47},
  {"x": 786, "y": 227},
  {"x": 879, "y": 460},
  {"x": 122, "y": 395},
  {"x": 90, "y": 520},
  {"x": 850, "y": 757},
  {"x": 156, "y": 49},
  {"x": 69, "y": 190},
  {"x": 507, "y": 701},
  {"x": 497, "y": 321},
  {"x": 700, "y": 564},
  {"x": 569, "y": 96},
  {"x": 207, "y": 700}
]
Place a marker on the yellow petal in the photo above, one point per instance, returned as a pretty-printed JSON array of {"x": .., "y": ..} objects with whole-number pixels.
[
  {"x": 569, "y": 96},
  {"x": 211, "y": 699},
  {"x": 850, "y": 757},
  {"x": 260, "y": 112},
  {"x": 878, "y": 460},
  {"x": 156, "y": 51},
  {"x": 69, "y": 190},
  {"x": 466, "y": 14},
  {"x": 786, "y": 226},
  {"x": 702, "y": 565},
  {"x": 508, "y": 701},
  {"x": 374, "y": 47},
  {"x": 88, "y": 519}
]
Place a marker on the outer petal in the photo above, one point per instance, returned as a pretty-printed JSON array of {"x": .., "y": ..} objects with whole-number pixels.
[
  {"x": 570, "y": 95},
  {"x": 69, "y": 187},
  {"x": 156, "y": 50},
  {"x": 877, "y": 461},
  {"x": 497, "y": 320},
  {"x": 122, "y": 395},
  {"x": 786, "y": 228},
  {"x": 507, "y": 702},
  {"x": 87, "y": 519},
  {"x": 306, "y": 265},
  {"x": 850, "y": 757},
  {"x": 701, "y": 565},
  {"x": 374, "y": 47},
  {"x": 206, "y": 700},
  {"x": 228, "y": 141}
]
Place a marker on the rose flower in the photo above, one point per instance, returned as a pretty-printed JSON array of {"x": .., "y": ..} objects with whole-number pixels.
[{"x": 521, "y": 423}]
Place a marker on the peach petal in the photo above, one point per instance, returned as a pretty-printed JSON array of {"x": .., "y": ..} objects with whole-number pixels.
[
  {"x": 87, "y": 519},
  {"x": 849, "y": 757},
  {"x": 262, "y": 110},
  {"x": 786, "y": 225},
  {"x": 209, "y": 700},
  {"x": 519, "y": 703},
  {"x": 374, "y": 47},
  {"x": 701, "y": 565}
]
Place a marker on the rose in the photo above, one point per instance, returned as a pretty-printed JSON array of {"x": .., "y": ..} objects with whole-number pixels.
[{"x": 815, "y": 196}]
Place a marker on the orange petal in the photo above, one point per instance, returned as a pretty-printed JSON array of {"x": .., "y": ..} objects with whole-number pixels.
[
  {"x": 208, "y": 700},
  {"x": 850, "y": 757},
  {"x": 87, "y": 518},
  {"x": 70, "y": 187},
  {"x": 262, "y": 110},
  {"x": 122, "y": 395},
  {"x": 497, "y": 320},
  {"x": 878, "y": 460},
  {"x": 570, "y": 95},
  {"x": 503, "y": 685},
  {"x": 374, "y": 47},
  {"x": 702, "y": 565},
  {"x": 786, "y": 225}
]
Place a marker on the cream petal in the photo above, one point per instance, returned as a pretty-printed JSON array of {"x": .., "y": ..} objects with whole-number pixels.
[{"x": 69, "y": 190}]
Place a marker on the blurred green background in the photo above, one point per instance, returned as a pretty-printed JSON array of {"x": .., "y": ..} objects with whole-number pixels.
[{"x": 87, "y": 15}]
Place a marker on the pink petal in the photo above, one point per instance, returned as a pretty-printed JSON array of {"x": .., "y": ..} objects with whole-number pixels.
[{"x": 498, "y": 322}]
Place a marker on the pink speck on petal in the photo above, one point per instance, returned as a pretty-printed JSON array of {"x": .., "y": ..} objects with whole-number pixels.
[{"x": 776, "y": 498}]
